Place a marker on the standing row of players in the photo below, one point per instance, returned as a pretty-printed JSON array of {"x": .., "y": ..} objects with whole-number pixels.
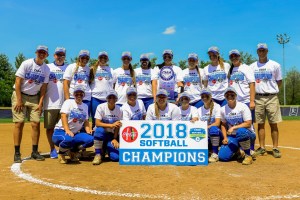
[{"x": 99, "y": 80}]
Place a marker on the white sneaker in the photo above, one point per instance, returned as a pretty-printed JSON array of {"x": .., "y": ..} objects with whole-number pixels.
[{"x": 213, "y": 158}]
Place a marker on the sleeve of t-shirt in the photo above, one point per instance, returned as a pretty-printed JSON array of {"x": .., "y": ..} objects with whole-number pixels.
[
  {"x": 152, "y": 74},
  {"x": 278, "y": 75},
  {"x": 143, "y": 108},
  {"x": 68, "y": 73},
  {"x": 217, "y": 110},
  {"x": 246, "y": 112},
  {"x": 125, "y": 113},
  {"x": 176, "y": 114},
  {"x": 226, "y": 68},
  {"x": 47, "y": 74},
  {"x": 98, "y": 112},
  {"x": 194, "y": 112},
  {"x": 150, "y": 114},
  {"x": 22, "y": 70},
  {"x": 249, "y": 74},
  {"x": 179, "y": 76},
  {"x": 204, "y": 74},
  {"x": 114, "y": 76},
  {"x": 86, "y": 110},
  {"x": 222, "y": 112},
  {"x": 155, "y": 73},
  {"x": 66, "y": 107}
]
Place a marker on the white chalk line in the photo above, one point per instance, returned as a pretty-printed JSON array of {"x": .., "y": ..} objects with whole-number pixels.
[{"x": 16, "y": 169}]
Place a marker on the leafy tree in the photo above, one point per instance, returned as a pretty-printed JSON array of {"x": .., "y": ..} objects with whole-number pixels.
[
  {"x": 153, "y": 62},
  {"x": 46, "y": 61},
  {"x": 247, "y": 58},
  {"x": 19, "y": 59},
  {"x": 183, "y": 64},
  {"x": 204, "y": 63},
  {"x": 135, "y": 65},
  {"x": 74, "y": 60},
  {"x": 92, "y": 61},
  {"x": 7, "y": 78}
]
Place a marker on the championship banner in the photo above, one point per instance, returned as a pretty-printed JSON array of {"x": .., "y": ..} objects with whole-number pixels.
[{"x": 163, "y": 143}]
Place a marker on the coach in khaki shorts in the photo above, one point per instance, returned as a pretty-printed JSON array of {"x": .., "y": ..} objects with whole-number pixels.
[
  {"x": 27, "y": 99},
  {"x": 54, "y": 97},
  {"x": 268, "y": 80}
]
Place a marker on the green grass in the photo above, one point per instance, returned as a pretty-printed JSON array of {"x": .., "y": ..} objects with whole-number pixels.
[
  {"x": 288, "y": 118},
  {"x": 9, "y": 120}
]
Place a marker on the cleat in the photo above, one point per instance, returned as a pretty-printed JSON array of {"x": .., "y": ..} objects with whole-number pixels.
[
  {"x": 97, "y": 160},
  {"x": 37, "y": 156},
  {"x": 53, "y": 154},
  {"x": 213, "y": 158},
  {"x": 240, "y": 155},
  {"x": 62, "y": 159},
  {"x": 73, "y": 156},
  {"x": 252, "y": 153},
  {"x": 17, "y": 158},
  {"x": 276, "y": 153},
  {"x": 247, "y": 160},
  {"x": 260, "y": 152}
]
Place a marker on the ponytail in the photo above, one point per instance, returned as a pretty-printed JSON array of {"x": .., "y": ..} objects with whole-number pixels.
[
  {"x": 211, "y": 108},
  {"x": 132, "y": 74},
  {"x": 198, "y": 71},
  {"x": 93, "y": 71},
  {"x": 78, "y": 63},
  {"x": 161, "y": 65},
  {"x": 230, "y": 70},
  {"x": 221, "y": 62}
]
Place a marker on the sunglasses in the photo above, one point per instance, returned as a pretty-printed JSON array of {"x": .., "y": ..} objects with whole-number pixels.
[
  {"x": 192, "y": 60},
  {"x": 161, "y": 96},
  {"x": 111, "y": 97},
  {"x": 103, "y": 57},
  {"x": 85, "y": 57},
  {"x": 261, "y": 50},
  {"x": 167, "y": 56},
  {"x": 232, "y": 95},
  {"x": 213, "y": 56},
  {"x": 42, "y": 52},
  {"x": 233, "y": 56},
  {"x": 78, "y": 94},
  {"x": 125, "y": 58},
  {"x": 60, "y": 55},
  {"x": 144, "y": 60}
]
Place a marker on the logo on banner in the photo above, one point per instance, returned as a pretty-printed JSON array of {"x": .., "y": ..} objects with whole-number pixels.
[
  {"x": 197, "y": 134},
  {"x": 129, "y": 134}
]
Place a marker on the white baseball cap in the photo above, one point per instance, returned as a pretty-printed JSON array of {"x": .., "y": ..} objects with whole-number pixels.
[
  {"x": 111, "y": 92},
  {"x": 162, "y": 92},
  {"x": 84, "y": 53},
  {"x": 230, "y": 89},
  {"x": 126, "y": 54},
  {"x": 234, "y": 51},
  {"x": 193, "y": 55},
  {"x": 144, "y": 56},
  {"x": 213, "y": 49},
  {"x": 79, "y": 88},
  {"x": 262, "y": 46},
  {"x": 131, "y": 90},
  {"x": 205, "y": 91},
  {"x": 168, "y": 51},
  {"x": 185, "y": 94},
  {"x": 102, "y": 53},
  {"x": 42, "y": 47},
  {"x": 60, "y": 50}
]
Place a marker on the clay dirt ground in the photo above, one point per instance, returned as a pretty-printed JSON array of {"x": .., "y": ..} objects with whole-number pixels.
[{"x": 266, "y": 178}]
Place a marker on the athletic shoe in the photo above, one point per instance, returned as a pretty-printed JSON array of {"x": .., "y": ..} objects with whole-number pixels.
[
  {"x": 53, "y": 154},
  {"x": 240, "y": 155},
  {"x": 213, "y": 158},
  {"x": 276, "y": 153},
  {"x": 247, "y": 160},
  {"x": 73, "y": 156},
  {"x": 37, "y": 156},
  {"x": 97, "y": 160},
  {"x": 252, "y": 153},
  {"x": 260, "y": 152},
  {"x": 61, "y": 159},
  {"x": 17, "y": 158}
]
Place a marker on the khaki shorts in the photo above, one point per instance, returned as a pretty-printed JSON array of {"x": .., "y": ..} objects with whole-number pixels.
[
  {"x": 267, "y": 106},
  {"x": 51, "y": 117},
  {"x": 29, "y": 109}
]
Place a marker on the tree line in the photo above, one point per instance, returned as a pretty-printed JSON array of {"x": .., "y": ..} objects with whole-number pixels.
[{"x": 7, "y": 76}]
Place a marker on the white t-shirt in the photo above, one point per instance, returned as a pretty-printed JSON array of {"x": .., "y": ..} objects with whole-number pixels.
[
  {"x": 266, "y": 76},
  {"x": 205, "y": 113},
  {"x": 133, "y": 112},
  {"x": 217, "y": 80},
  {"x": 172, "y": 112},
  {"x": 102, "y": 83},
  {"x": 33, "y": 76},
  {"x": 54, "y": 97},
  {"x": 192, "y": 83},
  {"x": 188, "y": 114},
  {"x": 236, "y": 116},
  {"x": 168, "y": 77},
  {"x": 240, "y": 79},
  {"x": 143, "y": 82},
  {"x": 76, "y": 113},
  {"x": 123, "y": 81},
  {"x": 81, "y": 77},
  {"x": 108, "y": 116}
]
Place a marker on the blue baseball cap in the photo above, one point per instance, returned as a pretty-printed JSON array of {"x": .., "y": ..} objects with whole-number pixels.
[
  {"x": 230, "y": 89},
  {"x": 126, "y": 54},
  {"x": 111, "y": 92},
  {"x": 84, "y": 53},
  {"x": 213, "y": 49},
  {"x": 131, "y": 90},
  {"x": 144, "y": 56},
  {"x": 102, "y": 53},
  {"x": 42, "y": 47},
  {"x": 234, "y": 51},
  {"x": 162, "y": 92},
  {"x": 60, "y": 50},
  {"x": 205, "y": 91},
  {"x": 262, "y": 46},
  {"x": 168, "y": 51},
  {"x": 79, "y": 88},
  {"x": 193, "y": 55},
  {"x": 185, "y": 94}
]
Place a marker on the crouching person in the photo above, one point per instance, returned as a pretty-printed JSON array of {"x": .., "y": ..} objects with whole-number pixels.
[
  {"x": 74, "y": 114},
  {"x": 237, "y": 131},
  {"x": 107, "y": 116}
]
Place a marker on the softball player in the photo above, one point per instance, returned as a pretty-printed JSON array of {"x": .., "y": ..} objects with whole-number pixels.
[
  {"x": 188, "y": 112},
  {"x": 74, "y": 114},
  {"x": 27, "y": 99},
  {"x": 161, "y": 109},
  {"x": 133, "y": 109},
  {"x": 101, "y": 81},
  {"x": 192, "y": 80},
  {"x": 54, "y": 97},
  {"x": 215, "y": 76},
  {"x": 78, "y": 74},
  {"x": 108, "y": 116},
  {"x": 236, "y": 128},
  {"x": 211, "y": 113},
  {"x": 241, "y": 78},
  {"x": 125, "y": 77},
  {"x": 169, "y": 77},
  {"x": 144, "y": 77}
]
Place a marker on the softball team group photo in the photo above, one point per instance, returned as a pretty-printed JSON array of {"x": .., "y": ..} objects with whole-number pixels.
[{"x": 234, "y": 99}]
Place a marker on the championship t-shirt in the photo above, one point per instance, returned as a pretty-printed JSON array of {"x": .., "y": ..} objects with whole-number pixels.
[
  {"x": 192, "y": 83},
  {"x": 143, "y": 82},
  {"x": 123, "y": 81},
  {"x": 54, "y": 97},
  {"x": 188, "y": 114},
  {"x": 171, "y": 112},
  {"x": 33, "y": 76},
  {"x": 77, "y": 114},
  {"x": 204, "y": 114},
  {"x": 133, "y": 112}
]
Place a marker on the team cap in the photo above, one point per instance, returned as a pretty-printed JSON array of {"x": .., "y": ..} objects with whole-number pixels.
[
  {"x": 213, "y": 49},
  {"x": 262, "y": 46},
  {"x": 60, "y": 50},
  {"x": 162, "y": 92},
  {"x": 42, "y": 47},
  {"x": 84, "y": 53}
]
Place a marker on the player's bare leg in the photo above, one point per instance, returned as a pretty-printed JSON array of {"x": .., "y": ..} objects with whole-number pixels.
[{"x": 49, "y": 137}]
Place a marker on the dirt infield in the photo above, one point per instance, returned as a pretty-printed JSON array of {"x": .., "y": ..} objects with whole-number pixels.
[{"x": 267, "y": 178}]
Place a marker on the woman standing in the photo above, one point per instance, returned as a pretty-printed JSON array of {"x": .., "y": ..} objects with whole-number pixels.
[
  {"x": 74, "y": 114},
  {"x": 133, "y": 109},
  {"x": 211, "y": 113},
  {"x": 161, "y": 109},
  {"x": 188, "y": 112},
  {"x": 192, "y": 80},
  {"x": 215, "y": 76},
  {"x": 125, "y": 77},
  {"x": 101, "y": 81},
  {"x": 236, "y": 128},
  {"x": 108, "y": 116},
  {"x": 78, "y": 74},
  {"x": 169, "y": 77},
  {"x": 144, "y": 77}
]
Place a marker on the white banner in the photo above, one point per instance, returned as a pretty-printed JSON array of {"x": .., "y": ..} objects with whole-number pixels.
[{"x": 163, "y": 143}]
